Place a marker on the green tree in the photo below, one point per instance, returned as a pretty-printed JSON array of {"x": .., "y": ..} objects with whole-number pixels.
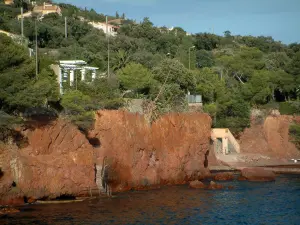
[
  {"x": 208, "y": 84},
  {"x": 174, "y": 72},
  {"x": 260, "y": 88},
  {"x": 78, "y": 107},
  {"x": 135, "y": 77},
  {"x": 207, "y": 41},
  {"x": 242, "y": 63},
  {"x": 204, "y": 59}
]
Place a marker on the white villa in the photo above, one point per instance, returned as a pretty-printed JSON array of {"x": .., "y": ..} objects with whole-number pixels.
[
  {"x": 65, "y": 72},
  {"x": 107, "y": 28}
]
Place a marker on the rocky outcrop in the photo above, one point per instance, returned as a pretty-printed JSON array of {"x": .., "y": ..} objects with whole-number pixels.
[
  {"x": 58, "y": 161},
  {"x": 171, "y": 151},
  {"x": 257, "y": 174},
  {"x": 270, "y": 138},
  {"x": 61, "y": 161}
]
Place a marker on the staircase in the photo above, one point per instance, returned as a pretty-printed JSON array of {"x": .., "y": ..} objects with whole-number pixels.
[
  {"x": 99, "y": 178},
  {"x": 229, "y": 143}
]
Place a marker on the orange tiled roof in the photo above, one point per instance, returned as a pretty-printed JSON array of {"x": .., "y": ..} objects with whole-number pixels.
[
  {"x": 46, "y": 7},
  {"x": 118, "y": 21}
]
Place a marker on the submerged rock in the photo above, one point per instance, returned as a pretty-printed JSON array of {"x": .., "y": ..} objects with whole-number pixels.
[
  {"x": 224, "y": 177},
  {"x": 6, "y": 211},
  {"x": 215, "y": 186},
  {"x": 257, "y": 174},
  {"x": 197, "y": 184}
]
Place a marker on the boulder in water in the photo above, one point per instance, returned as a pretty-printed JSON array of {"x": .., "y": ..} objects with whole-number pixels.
[
  {"x": 215, "y": 186},
  {"x": 257, "y": 174},
  {"x": 197, "y": 184},
  {"x": 6, "y": 211},
  {"x": 224, "y": 177}
]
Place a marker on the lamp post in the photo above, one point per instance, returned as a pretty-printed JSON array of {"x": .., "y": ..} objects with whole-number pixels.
[{"x": 190, "y": 56}]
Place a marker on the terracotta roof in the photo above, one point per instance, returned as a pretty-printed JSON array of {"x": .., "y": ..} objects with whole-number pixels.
[
  {"x": 46, "y": 7},
  {"x": 118, "y": 21},
  {"x": 8, "y": 2}
]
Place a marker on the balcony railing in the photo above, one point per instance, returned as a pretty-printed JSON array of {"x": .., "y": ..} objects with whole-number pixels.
[{"x": 194, "y": 99}]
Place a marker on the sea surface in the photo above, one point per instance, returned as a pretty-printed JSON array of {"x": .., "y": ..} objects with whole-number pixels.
[{"x": 249, "y": 203}]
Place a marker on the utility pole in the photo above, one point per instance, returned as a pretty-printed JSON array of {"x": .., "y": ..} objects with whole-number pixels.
[
  {"x": 107, "y": 36},
  {"x": 22, "y": 22},
  {"x": 190, "y": 56},
  {"x": 36, "y": 52},
  {"x": 66, "y": 28}
]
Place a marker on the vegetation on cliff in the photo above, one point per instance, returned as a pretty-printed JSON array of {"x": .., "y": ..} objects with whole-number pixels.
[
  {"x": 295, "y": 134},
  {"x": 232, "y": 73}
]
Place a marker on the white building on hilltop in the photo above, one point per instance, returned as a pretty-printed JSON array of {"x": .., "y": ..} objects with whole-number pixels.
[
  {"x": 66, "y": 69},
  {"x": 107, "y": 28}
]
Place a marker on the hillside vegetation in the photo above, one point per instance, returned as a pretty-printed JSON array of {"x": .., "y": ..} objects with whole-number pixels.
[{"x": 232, "y": 73}]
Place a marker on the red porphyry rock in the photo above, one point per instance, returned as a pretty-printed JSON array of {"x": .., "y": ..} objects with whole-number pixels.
[
  {"x": 215, "y": 186},
  {"x": 257, "y": 174},
  {"x": 59, "y": 160},
  {"x": 170, "y": 151},
  {"x": 197, "y": 184},
  {"x": 224, "y": 177},
  {"x": 7, "y": 211}
]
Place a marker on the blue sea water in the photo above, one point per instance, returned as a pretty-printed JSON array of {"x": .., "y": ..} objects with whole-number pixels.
[{"x": 249, "y": 203}]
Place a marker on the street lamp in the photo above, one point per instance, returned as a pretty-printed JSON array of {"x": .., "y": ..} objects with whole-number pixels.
[{"x": 190, "y": 56}]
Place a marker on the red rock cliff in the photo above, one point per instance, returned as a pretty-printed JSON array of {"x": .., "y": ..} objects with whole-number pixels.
[
  {"x": 270, "y": 138},
  {"x": 171, "y": 151},
  {"x": 59, "y": 159}
]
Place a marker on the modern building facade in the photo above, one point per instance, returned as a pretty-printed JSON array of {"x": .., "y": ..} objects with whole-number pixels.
[{"x": 65, "y": 72}]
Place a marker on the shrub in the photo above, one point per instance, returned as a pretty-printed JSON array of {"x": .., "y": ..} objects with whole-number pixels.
[
  {"x": 295, "y": 134},
  {"x": 289, "y": 108},
  {"x": 235, "y": 124}
]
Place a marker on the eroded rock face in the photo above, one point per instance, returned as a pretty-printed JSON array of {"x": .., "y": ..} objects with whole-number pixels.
[
  {"x": 171, "y": 151},
  {"x": 257, "y": 174},
  {"x": 59, "y": 159},
  {"x": 270, "y": 138}
]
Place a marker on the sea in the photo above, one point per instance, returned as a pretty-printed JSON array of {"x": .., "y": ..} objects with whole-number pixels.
[{"x": 248, "y": 203}]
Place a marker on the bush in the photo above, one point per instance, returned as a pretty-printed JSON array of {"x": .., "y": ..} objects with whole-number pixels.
[
  {"x": 234, "y": 124},
  {"x": 79, "y": 109},
  {"x": 295, "y": 134},
  {"x": 289, "y": 108}
]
